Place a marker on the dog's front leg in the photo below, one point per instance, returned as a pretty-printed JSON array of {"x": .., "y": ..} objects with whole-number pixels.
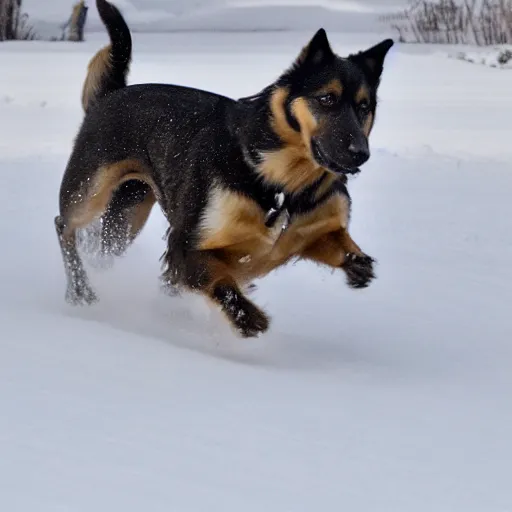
[
  {"x": 203, "y": 271},
  {"x": 338, "y": 250}
]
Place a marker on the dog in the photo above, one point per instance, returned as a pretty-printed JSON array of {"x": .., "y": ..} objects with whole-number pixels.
[{"x": 246, "y": 185}]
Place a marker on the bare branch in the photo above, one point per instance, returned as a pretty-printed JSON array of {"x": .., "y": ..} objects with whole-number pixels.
[{"x": 481, "y": 22}]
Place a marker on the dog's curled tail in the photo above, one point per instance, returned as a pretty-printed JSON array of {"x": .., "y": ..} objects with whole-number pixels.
[{"x": 108, "y": 69}]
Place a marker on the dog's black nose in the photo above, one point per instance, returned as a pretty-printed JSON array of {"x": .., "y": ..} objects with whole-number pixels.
[{"x": 360, "y": 153}]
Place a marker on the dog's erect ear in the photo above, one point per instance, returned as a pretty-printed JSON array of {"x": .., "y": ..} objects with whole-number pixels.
[
  {"x": 372, "y": 60},
  {"x": 317, "y": 51}
]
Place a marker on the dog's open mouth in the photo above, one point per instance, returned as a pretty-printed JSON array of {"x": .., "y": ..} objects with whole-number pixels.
[{"x": 329, "y": 164}]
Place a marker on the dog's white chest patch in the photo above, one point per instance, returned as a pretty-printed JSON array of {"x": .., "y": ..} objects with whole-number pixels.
[{"x": 230, "y": 219}]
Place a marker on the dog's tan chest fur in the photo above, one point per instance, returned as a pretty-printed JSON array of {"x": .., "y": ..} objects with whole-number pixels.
[{"x": 234, "y": 225}]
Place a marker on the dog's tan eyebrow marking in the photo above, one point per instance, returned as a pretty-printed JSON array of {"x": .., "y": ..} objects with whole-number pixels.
[
  {"x": 334, "y": 86},
  {"x": 363, "y": 94}
]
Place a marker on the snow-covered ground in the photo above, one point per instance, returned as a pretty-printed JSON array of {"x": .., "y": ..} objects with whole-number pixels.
[
  {"x": 392, "y": 399},
  {"x": 494, "y": 57}
]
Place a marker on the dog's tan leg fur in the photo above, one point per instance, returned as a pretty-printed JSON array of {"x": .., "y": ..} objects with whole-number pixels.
[
  {"x": 332, "y": 248},
  {"x": 89, "y": 202},
  {"x": 338, "y": 250}
]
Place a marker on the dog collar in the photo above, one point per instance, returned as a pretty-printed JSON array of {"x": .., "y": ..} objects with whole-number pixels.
[
  {"x": 280, "y": 206},
  {"x": 290, "y": 205}
]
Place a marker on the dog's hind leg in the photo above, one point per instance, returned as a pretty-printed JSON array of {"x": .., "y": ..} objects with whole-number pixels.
[
  {"x": 85, "y": 196},
  {"x": 78, "y": 291},
  {"x": 125, "y": 216}
]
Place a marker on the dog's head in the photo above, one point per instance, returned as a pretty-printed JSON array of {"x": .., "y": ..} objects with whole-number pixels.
[{"x": 328, "y": 103}]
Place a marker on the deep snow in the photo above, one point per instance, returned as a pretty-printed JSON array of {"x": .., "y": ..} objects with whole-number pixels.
[{"x": 395, "y": 398}]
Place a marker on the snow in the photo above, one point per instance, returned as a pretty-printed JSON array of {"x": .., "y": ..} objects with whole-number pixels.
[
  {"x": 223, "y": 15},
  {"x": 395, "y": 398},
  {"x": 494, "y": 57}
]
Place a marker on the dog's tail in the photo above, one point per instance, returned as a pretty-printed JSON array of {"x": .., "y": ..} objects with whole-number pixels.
[{"x": 109, "y": 67}]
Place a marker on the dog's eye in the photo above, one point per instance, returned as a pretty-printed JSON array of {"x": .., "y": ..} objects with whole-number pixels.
[
  {"x": 364, "y": 107},
  {"x": 327, "y": 100}
]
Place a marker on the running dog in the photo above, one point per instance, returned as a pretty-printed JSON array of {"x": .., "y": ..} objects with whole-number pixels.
[{"x": 247, "y": 185}]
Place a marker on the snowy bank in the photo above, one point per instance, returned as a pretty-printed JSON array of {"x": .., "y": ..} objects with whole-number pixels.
[{"x": 492, "y": 57}]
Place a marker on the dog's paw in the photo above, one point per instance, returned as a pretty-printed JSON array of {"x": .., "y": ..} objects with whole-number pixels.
[
  {"x": 250, "y": 321},
  {"x": 245, "y": 317},
  {"x": 359, "y": 270}
]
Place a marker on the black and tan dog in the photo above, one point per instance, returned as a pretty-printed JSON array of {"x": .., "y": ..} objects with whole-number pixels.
[{"x": 246, "y": 185}]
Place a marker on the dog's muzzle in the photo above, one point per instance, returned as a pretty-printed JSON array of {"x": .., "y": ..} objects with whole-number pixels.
[{"x": 323, "y": 160}]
